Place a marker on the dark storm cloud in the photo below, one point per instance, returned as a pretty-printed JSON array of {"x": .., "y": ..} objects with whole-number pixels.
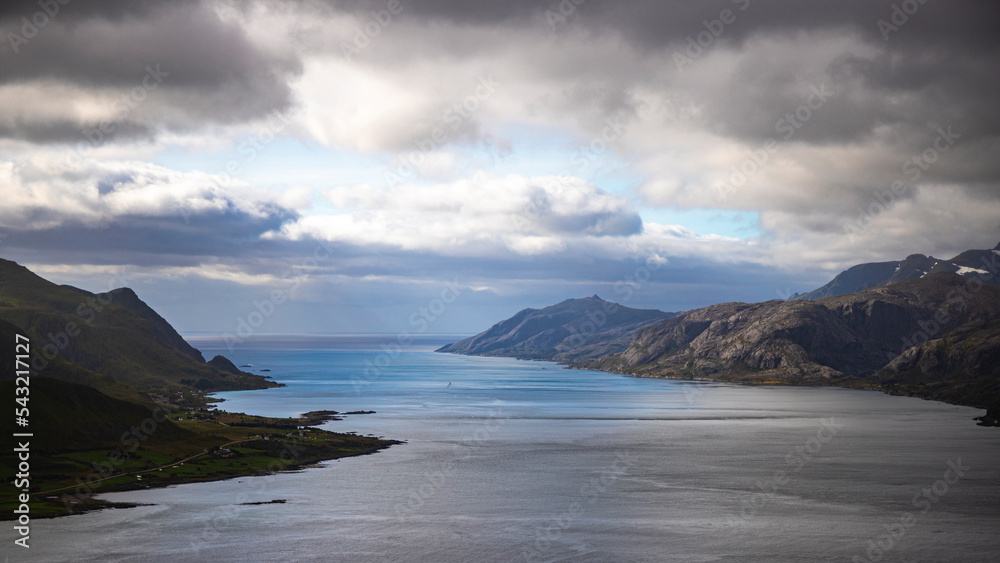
[
  {"x": 937, "y": 70},
  {"x": 144, "y": 240},
  {"x": 61, "y": 130},
  {"x": 67, "y": 9},
  {"x": 657, "y": 23},
  {"x": 937, "y": 66},
  {"x": 206, "y": 70},
  {"x": 934, "y": 62}
]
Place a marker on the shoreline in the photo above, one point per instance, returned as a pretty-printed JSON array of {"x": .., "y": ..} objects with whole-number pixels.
[
  {"x": 95, "y": 503},
  {"x": 990, "y": 418},
  {"x": 262, "y": 446}
]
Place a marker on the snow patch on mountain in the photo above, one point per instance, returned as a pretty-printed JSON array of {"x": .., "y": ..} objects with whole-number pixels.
[{"x": 962, "y": 270}]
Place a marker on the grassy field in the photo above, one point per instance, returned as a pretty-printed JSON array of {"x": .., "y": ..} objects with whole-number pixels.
[{"x": 212, "y": 446}]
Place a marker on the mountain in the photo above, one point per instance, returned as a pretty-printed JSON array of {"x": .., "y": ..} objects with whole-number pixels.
[
  {"x": 68, "y": 416},
  {"x": 61, "y": 370},
  {"x": 855, "y": 278},
  {"x": 114, "y": 392},
  {"x": 962, "y": 367},
  {"x": 937, "y": 335},
  {"x": 113, "y": 337},
  {"x": 125, "y": 297},
  {"x": 971, "y": 263},
  {"x": 223, "y": 363},
  {"x": 574, "y": 330}
]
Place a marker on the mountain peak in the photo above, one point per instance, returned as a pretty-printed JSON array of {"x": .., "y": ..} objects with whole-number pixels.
[
  {"x": 914, "y": 266},
  {"x": 573, "y": 329},
  {"x": 126, "y": 292},
  {"x": 223, "y": 363},
  {"x": 127, "y": 347}
]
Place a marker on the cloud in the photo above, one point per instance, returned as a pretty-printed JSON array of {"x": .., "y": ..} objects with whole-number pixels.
[
  {"x": 387, "y": 153},
  {"x": 136, "y": 71},
  {"x": 108, "y": 212},
  {"x": 482, "y": 214}
]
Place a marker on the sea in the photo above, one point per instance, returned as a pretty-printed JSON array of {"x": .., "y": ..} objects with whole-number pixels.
[{"x": 509, "y": 460}]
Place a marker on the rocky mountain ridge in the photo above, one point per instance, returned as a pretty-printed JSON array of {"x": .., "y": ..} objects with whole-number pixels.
[
  {"x": 574, "y": 330},
  {"x": 970, "y": 264}
]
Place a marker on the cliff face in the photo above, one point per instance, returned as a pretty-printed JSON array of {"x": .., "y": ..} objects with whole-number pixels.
[
  {"x": 962, "y": 367},
  {"x": 574, "y": 330},
  {"x": 835, "y": 339},
  {"x": 969, "y": 352}
]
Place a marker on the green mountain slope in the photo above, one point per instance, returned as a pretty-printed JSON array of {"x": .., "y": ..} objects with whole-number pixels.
[
  {"x": 67, "y": 416},
  {"x": 62, "y": 370},
  {"x": 113, "y": 334}
]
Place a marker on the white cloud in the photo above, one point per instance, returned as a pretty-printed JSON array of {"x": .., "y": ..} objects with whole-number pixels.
[
  {"x": 482, "y": 214},
  {"x": 493, "y": 217},
  {"x": 684, "y": 133},
  {"x": 45, "y": 191}
]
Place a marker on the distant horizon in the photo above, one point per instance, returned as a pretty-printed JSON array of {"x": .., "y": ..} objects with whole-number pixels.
[{"x": 196, "y": 335}]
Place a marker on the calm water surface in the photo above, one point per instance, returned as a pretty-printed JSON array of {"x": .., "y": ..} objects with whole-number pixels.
[{"x": 525, "y": 461}]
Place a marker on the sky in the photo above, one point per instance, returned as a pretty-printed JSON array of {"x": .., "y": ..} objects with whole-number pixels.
[{"x": 395, "y": 166}]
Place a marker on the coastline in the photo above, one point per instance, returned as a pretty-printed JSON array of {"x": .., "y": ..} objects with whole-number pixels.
[
  {"x": 990, "y": 418},
  {"x": 267, "y": 446},
  {"x": 95, "y": 503}
]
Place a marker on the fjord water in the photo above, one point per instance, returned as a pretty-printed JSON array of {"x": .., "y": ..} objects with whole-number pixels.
[{"x": 508, "y": 460}]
